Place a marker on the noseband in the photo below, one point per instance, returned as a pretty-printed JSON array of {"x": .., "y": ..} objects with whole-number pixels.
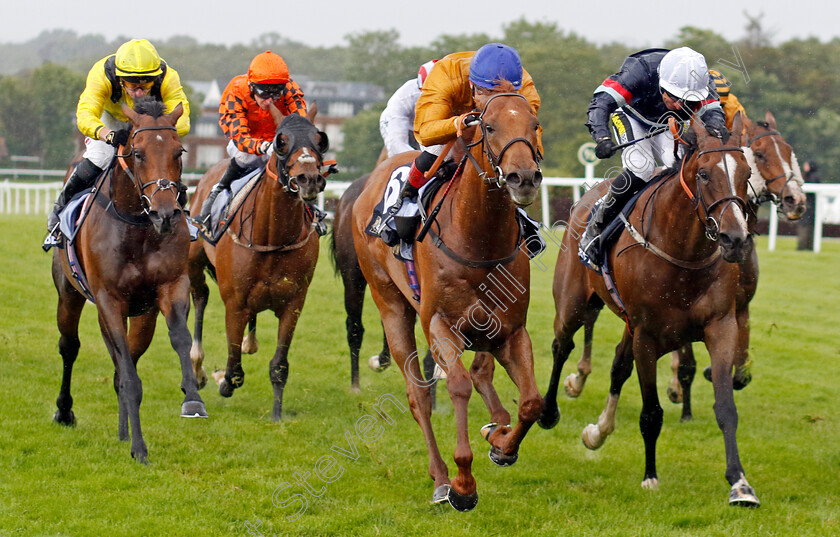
[
  {"x": 162, "y": 184},
  {"x": 494, "y": 159},
  {"x": 708, "y": 221}
]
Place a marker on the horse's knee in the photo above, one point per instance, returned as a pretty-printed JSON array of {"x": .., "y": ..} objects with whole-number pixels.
[
  {"x": 459, "y": 384},
  {"x": 278, "y": 373},
  {"x": 530, "y": 409}
]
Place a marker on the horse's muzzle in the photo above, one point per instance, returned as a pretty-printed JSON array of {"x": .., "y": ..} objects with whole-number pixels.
[
  {"x": 310, "y": 185},
  {"x": 164, "y": 221},
  {"x": 524, "y": 186},
  {"x": 735, "y": 248}
]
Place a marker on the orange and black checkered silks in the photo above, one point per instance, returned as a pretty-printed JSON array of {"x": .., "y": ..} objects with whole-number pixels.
[{"x": 248, "y": 125}]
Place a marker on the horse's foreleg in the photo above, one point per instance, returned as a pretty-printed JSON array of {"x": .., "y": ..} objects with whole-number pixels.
[
  {"x": 200, "y": 294},
  {"x": 112, "y": 315},
  {"x": 250, "y": 345},
  {"x": 650, "y": 420},
  {"x": 70, "y": 304},
  {"x": 685, "y": 371},
  {"x": 141, "y": 330},
  {"x": 595, "y": 434},
  {"x": 463, "y": 495},
  {"x": 174, "y": 303},
  {"x": 722, "y": 338},
  {"x": 236, "y": 317},
  {"x": 743, "y": 373},
  {"x": 574, "y": 382},
  {"x": 481, "y": 372},
  {"x": 354, "y": 297},
  {"x": 560, "y": 350},
  {"x": 517, "y": 357},
  {"x": 278, "y": 368}
]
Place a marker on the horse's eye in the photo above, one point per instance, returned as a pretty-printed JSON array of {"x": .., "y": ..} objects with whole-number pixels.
[
  {"x": 703, "y": 176},
  {"x": 760, "y": 156},
  {"x": 140, "y": 156},
  {"x": 490, "y": 129}
]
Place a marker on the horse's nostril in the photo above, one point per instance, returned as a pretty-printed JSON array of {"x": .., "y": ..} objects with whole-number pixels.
[{"x": 513, "y": 178}]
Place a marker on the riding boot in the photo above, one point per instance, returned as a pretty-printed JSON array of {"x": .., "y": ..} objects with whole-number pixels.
[
  {"x": 622, "y": 188},
  {"x": 81, "y": 178},
  {"x": 234, "y": 171}
]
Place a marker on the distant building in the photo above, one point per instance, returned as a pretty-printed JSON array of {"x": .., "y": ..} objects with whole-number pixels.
[{"x": 336, "y": 102}]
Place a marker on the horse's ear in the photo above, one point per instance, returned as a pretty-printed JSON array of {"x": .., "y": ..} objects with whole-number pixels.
[
  {"x": 770, "y": 120},
  {"x": 312, "y": 112},
  {"x": 322, "y": 141},
  {"x": 737, "y": 129},
  {"x": 175, "y": 114},
  {"x": 276, "y": 114},
  {"x": 130, "y": 113}
]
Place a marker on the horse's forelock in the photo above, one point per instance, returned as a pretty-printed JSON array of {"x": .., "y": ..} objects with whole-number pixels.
[
  {"x": 503, "y": 86},
  {"x": 149, "y": 106}
]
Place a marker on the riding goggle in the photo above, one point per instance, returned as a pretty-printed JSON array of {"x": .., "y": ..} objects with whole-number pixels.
[
  {"x": 135, "y": 86},
  {"x": 267, "y": 91}
]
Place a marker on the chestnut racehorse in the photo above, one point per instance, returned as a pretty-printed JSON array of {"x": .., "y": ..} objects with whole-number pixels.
[
  {"x": 133, "y": 249},
  {"x": 267, "y": 257},
  {"x": 473, "y": 243},
  {"x": 679, "y": 286}
]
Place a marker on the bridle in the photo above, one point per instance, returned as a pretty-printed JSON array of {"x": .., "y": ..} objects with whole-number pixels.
[
  {"x": 706, "y": 219},
  {"x": 161, "y": 184},
  {"x": 767, "y": 195},
  {"x": 283, "y": 166},
  {"x": 494, "y": 159}
]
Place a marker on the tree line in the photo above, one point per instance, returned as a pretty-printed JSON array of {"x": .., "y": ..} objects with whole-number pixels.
[{"x": 798, "y": 80}]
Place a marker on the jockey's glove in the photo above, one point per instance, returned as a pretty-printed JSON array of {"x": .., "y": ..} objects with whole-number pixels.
[
  {"x": 605, "y": 148},
  {"x": 408, "y": 191},
  {"x": 118, "y": 137},
  {"x": 470, "y": 119},
  {"x": 264, "y": 147}
]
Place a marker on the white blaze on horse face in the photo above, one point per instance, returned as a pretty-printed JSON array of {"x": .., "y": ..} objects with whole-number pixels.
[
  {"x": 159, "y": 138},
  {"x": 728, "y": 166},
  {"x": 759, "y": 186},
  {"x": 306, "y": 157}
]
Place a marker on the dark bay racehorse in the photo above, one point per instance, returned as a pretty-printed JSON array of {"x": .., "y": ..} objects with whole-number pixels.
[
  {"x": 347, "y": 266},
  {"x": 266, "y": 259},
  {"x": 133, "y": 249},
  {"x": 474, "y": 242},
  {"x": 776, "y": 178},
  {"x": 677, "y": 279}
]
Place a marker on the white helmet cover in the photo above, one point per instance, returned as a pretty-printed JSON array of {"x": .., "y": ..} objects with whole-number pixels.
[{"x": 683, "y": 73}]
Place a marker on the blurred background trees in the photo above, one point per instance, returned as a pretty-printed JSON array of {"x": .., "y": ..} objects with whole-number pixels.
[{"x": 798, "y": 80}]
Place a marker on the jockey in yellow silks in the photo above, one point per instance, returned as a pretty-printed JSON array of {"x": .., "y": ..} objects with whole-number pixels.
[{"x": 135, "y": 70}]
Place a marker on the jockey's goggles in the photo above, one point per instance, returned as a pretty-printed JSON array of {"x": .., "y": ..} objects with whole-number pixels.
[
  {"x": 267, "y": 91},
  {"x": 135, "y": 86}
]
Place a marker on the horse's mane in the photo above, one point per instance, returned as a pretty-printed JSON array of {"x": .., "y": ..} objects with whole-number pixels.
[{"x": 149, "y": 106}]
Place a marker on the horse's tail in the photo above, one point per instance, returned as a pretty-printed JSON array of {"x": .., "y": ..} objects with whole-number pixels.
[{"x": 333, "y": 255}]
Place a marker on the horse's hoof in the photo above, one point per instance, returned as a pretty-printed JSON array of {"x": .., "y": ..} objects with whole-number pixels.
[
  {"x": 461, "y": 502},
  {"x": 193, "y": 409},
  {"x": 742, "y": 494},
  {"x": 225, "y": 388},
  {"x": 707, "y": 373},
  {"x": 378, "y": 365},
  {"x": 570, "y": 388},
  {"x": 686, "y": 417},
  {"x": 142, "y": 457},
  {"x": 355, "y": 388},
  {"x": 68, "y": 420},
  {"x": 201, "y": 379},
  {"x": 739, "y": 383},
  {"x": 440, "y": 494},
  {"x": 548, "y": 420},
  {"x": 674, "y": 395},
  {"x": 592, "y": 437},
  {"x": 495, "y": 454},
  {"x": 650, "y": 483}
]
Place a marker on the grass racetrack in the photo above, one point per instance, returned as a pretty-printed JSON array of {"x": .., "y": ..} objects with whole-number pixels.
[{"x": 225, "y": 476}]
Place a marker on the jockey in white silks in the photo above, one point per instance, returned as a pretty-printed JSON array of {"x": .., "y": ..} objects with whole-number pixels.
[{"x": 396, "y": 124}]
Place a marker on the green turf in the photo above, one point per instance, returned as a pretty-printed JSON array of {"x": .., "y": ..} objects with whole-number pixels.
[{"x": 212, "y": 477}]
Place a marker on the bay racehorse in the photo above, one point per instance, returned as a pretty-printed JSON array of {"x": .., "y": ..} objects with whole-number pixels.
[
  {"x": 266, "y": 259},
  {"x": 132, "y": 248},
  {"x": 776, "y": 178},
  {"x": 676, "y": 275},
  {"x": 473, "y": 243},
  {"x": 347, "y": 266}
]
